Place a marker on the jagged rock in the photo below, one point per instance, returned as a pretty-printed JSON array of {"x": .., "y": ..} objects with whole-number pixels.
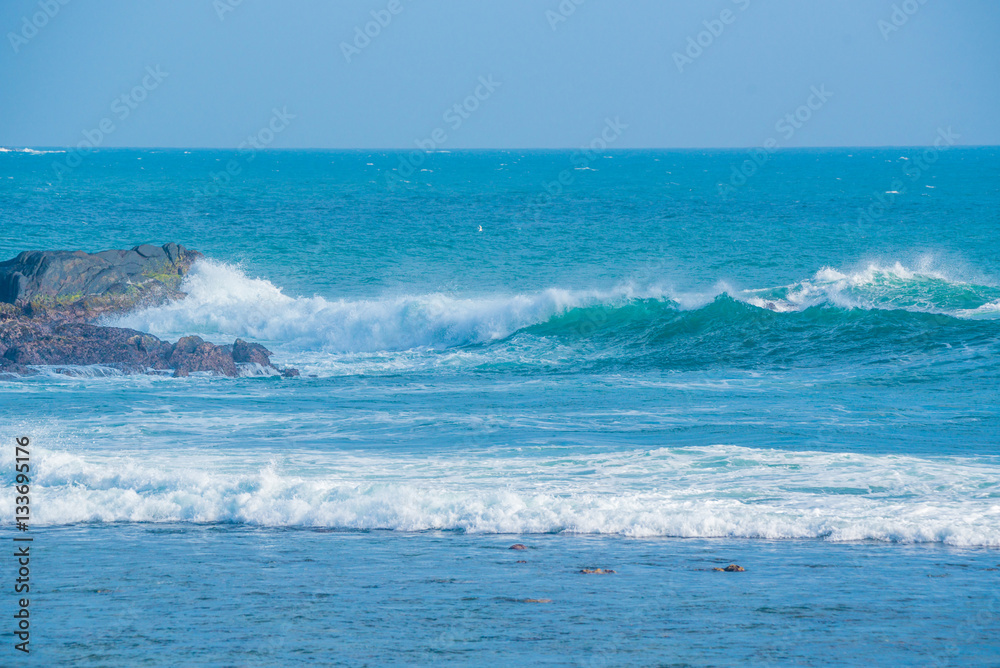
[
  {"x": 731, "y": 568},
  {"x": 191, "y": 353},
  {"x": 79, "y": 286},
  {"x": 49, "y": 298},
  {"x": 25, "y": 342},
  {"x": 251, "y": 353}
]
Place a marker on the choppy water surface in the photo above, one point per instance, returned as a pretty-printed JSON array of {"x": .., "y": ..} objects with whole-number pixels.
[{"x": 639, "y": 373}]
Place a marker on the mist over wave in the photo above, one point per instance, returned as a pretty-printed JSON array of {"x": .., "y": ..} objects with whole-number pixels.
[{"x": 890, "y": 303}]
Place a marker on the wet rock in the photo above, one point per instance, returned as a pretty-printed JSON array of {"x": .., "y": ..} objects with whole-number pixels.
[
  {"x": 26, "y": 342},
  {"x": 192, "y": 353},
  {"x": 74, "y": 285},
  {"x": 48, "y": 300},
  {"x": 731, "y": 568},
  {"x": 517, "y": 546},
  {"x": 250, "y": 353},
  {"x": 598, "y": 571}
]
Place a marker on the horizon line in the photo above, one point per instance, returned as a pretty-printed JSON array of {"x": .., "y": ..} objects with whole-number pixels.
[{"x": 619, "y": 149}]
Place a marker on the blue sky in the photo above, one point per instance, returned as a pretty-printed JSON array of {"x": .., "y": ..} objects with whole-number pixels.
[{"x": 890, "y": 72}]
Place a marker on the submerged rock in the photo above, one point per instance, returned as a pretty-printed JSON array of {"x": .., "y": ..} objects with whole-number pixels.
[
  {"x": 48, "y": 300},
  {"x": 517, "y": 546},
  {"x": 731, "y": 568}
]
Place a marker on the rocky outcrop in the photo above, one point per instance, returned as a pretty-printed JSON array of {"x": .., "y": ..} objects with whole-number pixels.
[
  {"x": 49, "y": 299},
  {"x": 79, "y": 286}
]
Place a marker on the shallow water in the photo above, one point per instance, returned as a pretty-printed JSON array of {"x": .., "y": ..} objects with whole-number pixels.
[{"x": 236, "y": 595}]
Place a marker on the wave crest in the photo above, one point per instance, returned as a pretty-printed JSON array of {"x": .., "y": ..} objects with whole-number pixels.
[{"x": 888, "y": 301}]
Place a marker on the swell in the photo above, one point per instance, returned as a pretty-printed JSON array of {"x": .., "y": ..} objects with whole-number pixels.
[{"x": 873, "y": 312}]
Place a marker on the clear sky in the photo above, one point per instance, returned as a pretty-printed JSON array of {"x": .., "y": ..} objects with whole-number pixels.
[{"x": 887, "y": 72}]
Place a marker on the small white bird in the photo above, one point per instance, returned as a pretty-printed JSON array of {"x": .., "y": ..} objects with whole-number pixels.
[{"x": 480, "y": 228}]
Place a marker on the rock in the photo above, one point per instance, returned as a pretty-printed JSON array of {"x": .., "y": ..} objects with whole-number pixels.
[
  {"x": 81, "y": 286},
  {"x": 517, "y": 546},
  {"x": 192, "y": 353},
  {"x": 25, "y": 342},
  {"x": 731, "y": 568},
  {"x": 522, "y": 561},
  {"x": 598, "y": 571},
  {"x": 250, "y": 353},
  {"x": 49, "y": 298}
]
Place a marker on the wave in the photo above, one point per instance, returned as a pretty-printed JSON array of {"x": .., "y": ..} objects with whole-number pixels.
[
  {"x": 29, "y": 151},
  {"x": 716, "y": 491},
  {"x": 878, "y": 312},
  {"x": 223, "y": 301}
]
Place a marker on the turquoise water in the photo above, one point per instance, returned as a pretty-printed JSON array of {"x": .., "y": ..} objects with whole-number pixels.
[{"x": 606, "y": 357}]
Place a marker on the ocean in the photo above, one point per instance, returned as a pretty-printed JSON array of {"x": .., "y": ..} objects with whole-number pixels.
[{"x": 653, "y": 362}]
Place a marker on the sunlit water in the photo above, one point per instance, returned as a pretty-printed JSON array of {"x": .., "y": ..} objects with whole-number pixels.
[{"x": 638, "y": 373}]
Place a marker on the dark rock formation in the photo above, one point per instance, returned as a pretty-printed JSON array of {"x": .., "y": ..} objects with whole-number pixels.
[
  {"x": 78, "y": 286},
  {"x": 517, "y": 546},
  {"x": 191, "y": 353},
  {"x": 48, "y": 300}
]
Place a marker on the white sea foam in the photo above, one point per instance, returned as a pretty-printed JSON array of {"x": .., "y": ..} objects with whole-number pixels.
[
  {"x": 222, "y": 300},
  {"x": 693, "y": 492},
  {"x": 29, "y": 151},
  {"x": 224, "y": 303},
  {"x": 883, "y": 286}
]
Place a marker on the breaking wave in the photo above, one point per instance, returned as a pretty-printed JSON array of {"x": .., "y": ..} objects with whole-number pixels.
[
  {"x": 876, "y": 312},
  {"x": 716, "y": 491}
]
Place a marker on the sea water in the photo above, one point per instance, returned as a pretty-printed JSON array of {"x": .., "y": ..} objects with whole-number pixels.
[{"x": 644, "y": 361}]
